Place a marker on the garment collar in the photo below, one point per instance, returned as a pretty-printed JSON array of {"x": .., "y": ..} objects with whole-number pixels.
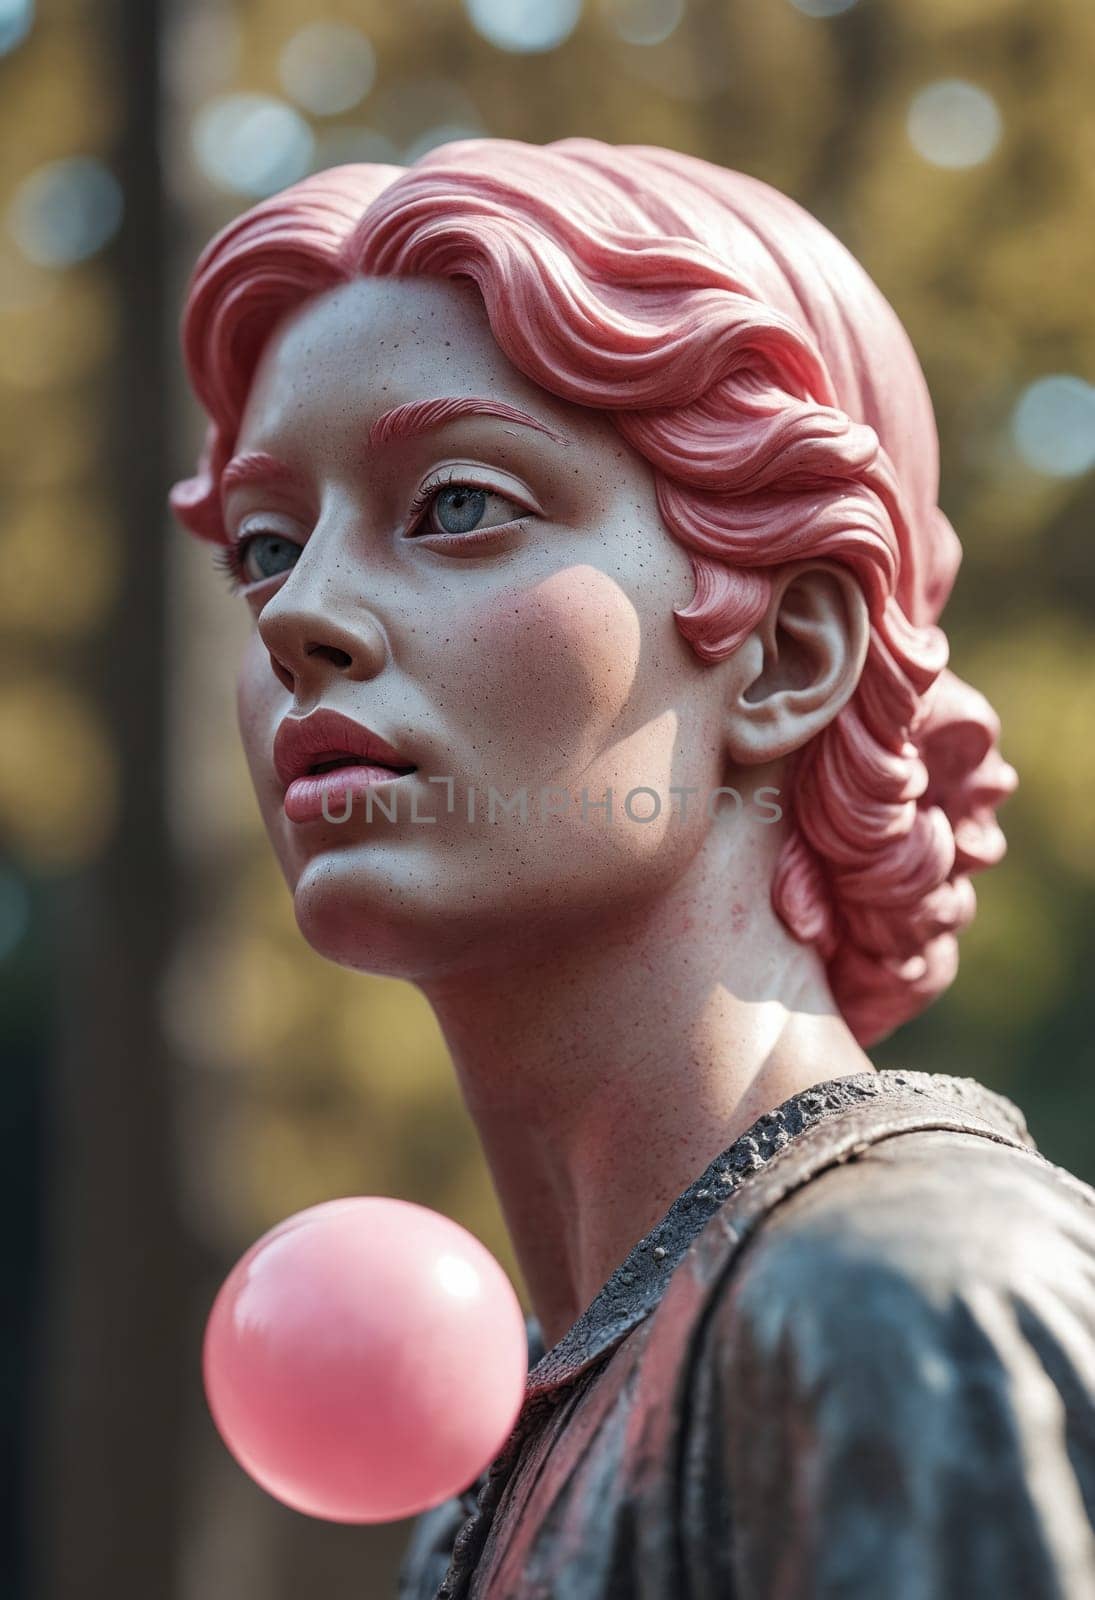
[{"x": 636, "y": 1287}]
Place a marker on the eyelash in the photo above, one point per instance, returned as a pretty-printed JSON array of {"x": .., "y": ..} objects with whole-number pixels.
[
  {"x": 229, "y": 558},
  {"x": 433, "y": 487},
  {"x": 421, "y": 500}
]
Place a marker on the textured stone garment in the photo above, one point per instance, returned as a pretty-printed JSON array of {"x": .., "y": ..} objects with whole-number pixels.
[{"x": 856, "y": 1358}]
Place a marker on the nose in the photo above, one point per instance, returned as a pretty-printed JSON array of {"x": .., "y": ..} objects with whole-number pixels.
[{"x": 314, "y": 630}]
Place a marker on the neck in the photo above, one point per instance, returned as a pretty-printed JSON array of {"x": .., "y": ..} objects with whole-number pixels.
[{"x": 604, "y": 1079}]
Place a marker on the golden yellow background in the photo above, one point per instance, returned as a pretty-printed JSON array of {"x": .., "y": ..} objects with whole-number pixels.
[{"x": 181, "y": 1070}]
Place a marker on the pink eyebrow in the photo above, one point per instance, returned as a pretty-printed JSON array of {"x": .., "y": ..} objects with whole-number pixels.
[
  {"x": 255, "y": 466},
  {"x": 402, "y": 422},
  {"x": 418, "y": 416}
]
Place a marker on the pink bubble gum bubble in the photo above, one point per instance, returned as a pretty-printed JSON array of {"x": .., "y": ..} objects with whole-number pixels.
[{"x": 365, "y": 1359}]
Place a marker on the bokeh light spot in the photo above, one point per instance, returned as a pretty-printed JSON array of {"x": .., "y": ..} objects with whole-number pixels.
[
  {"x": 328, "y": 67},
  {"x": 644, "y": 21},
  {"x": 524, "y": 25},
  {"x": 1053, "y": 425},
  {"x": 952, "y": 123},
  {"x": 65, "y": 211},
  {"x": 252, "y": 144},
  {"x": 16, "y": 17}
]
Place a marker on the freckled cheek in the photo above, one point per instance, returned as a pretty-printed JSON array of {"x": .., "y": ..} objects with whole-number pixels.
[{"x": 557, "y": 660}]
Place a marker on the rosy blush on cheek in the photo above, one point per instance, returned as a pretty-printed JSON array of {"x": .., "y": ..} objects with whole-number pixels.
[{"x": 558, "y": 660}]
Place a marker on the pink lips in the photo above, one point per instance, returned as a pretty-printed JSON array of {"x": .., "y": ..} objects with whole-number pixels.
[{"x": 351, "y": 759}]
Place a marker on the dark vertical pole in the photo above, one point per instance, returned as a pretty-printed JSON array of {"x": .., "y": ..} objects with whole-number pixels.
[{"x": 116, "y": 1365}]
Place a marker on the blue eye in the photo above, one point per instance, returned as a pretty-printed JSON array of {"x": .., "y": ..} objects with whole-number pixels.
[
  {"x": 255, "y": 556},
  {"x": 266, "y": 554},
  {"x": 457, "y": 507},
  {"x": 461, "y": 502}
]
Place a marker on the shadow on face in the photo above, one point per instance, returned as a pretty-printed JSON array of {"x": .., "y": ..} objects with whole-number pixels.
[{"x": 492, "y": 596}]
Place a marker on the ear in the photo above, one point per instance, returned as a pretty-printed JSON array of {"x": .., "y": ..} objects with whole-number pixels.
[{"x": 800, "y": 665}]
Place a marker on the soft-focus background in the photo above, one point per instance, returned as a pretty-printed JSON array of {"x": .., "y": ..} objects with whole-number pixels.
[{"x": 180, "y": 1071}]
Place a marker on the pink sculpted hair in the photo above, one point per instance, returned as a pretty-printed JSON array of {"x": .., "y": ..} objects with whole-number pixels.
[{"x": 742, "y": 351}]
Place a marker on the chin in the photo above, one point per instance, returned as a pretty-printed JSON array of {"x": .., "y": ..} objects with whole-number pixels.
[
  {"x": 417, "y": 912},
  {"x": 356, "y": 915},
  {"x": 364, "y": 910}
]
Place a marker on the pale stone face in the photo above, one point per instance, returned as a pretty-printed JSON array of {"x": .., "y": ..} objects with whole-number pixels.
[{"x": 540, "y": 656}]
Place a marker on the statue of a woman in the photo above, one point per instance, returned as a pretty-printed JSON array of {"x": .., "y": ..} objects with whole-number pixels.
[{"x": 584, "y": 500}]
